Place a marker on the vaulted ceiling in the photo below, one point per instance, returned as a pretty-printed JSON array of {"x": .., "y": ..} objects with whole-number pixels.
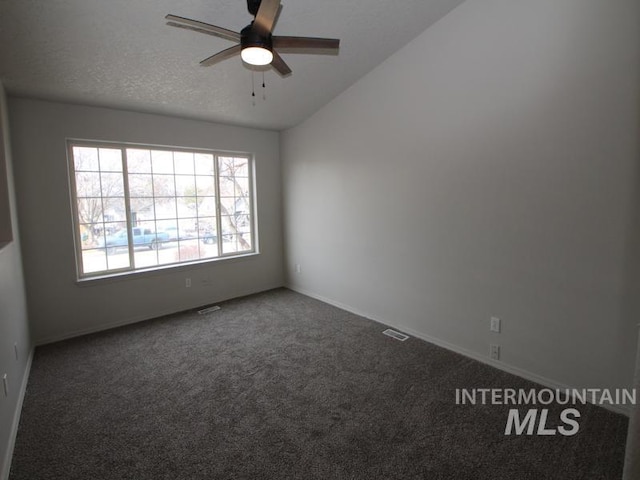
[{"x": 121, "y": 54}]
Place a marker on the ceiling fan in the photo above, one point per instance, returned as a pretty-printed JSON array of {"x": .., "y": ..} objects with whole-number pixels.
[{"x": 255, "y": 43}]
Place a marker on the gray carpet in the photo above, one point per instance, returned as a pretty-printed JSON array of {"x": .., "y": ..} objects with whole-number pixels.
[{"x": 281, "y": 386}]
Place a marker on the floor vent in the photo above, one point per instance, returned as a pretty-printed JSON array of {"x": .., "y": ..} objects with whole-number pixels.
[
  {"x": 397, "y": 335},
  {"x": 204, "y": 311}
]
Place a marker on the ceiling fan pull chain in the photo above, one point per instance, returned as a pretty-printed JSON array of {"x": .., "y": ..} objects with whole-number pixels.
[
  {"x": 264, "y": 88},
  {"x": 253, "y": 89}
]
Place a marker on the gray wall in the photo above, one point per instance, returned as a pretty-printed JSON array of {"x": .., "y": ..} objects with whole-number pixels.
[
  {"x": 6, "y": 232},
  {"x": 488, "y": 168},
  {"x": 14, "y": 327},
  {"x": 58, "y": 305}
]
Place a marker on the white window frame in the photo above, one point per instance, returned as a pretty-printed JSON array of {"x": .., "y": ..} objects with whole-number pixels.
[{"x": 132, "y": 269}]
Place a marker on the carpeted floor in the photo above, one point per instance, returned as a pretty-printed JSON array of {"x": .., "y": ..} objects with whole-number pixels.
[{"x": 281, "y": 386}]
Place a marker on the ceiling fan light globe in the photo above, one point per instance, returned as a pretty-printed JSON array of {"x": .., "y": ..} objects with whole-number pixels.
[{"x": 256, "y": 56}]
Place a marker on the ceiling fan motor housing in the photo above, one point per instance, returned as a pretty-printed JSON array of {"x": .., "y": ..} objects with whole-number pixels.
[{"x": 250, "y": 38}]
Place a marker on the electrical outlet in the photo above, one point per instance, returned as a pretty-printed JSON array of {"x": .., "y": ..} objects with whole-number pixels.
[
  {"x": 187, "y": 282},
  {"x": 298, "y": 269},
  {"x": 5, "y": 385},
  {"x": 495, "y": 324},
  {"x": 494, "y": 351}
]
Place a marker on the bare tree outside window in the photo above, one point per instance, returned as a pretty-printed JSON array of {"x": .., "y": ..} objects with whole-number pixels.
[{"x": 234, "y": 201}]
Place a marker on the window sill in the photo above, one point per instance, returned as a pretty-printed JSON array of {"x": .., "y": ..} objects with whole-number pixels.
[{"x": 161, "y": 270}]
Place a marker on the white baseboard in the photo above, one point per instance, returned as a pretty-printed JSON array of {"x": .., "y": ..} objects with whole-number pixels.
[
  {"x": 137, "y": 319},
  {"x": 108, "y": 326},
  {"x": 527, "y": 375},
  {"x": 6, "y": 464}
]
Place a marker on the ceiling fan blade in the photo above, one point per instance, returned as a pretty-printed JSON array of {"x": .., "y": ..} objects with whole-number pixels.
[
  {"x": 266, "y": 17},
  {"x": 202, "y": 27},
  {"x": 223, "y": 55},
  {"x": 279, "y": 65},
  {"x": 307, "y": 45}
]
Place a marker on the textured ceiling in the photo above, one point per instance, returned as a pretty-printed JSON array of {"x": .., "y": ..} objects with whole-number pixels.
[{"x": 121, "y": 54}]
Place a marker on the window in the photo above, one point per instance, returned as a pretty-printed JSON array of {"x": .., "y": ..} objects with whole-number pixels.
[{"x": 140, "y": 207}]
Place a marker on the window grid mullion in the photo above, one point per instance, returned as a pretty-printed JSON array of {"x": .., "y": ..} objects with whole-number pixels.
[
  {"x": 127, "y": 206},
  {"x": 216, "y": 173},
  {"x": 198, "y": 222},
  {"x": 251, "y": 200},
  {"x": 153, "y": 195},
  {"x": 102, "y": 222},
  {"x": 175, "y": 202}
]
